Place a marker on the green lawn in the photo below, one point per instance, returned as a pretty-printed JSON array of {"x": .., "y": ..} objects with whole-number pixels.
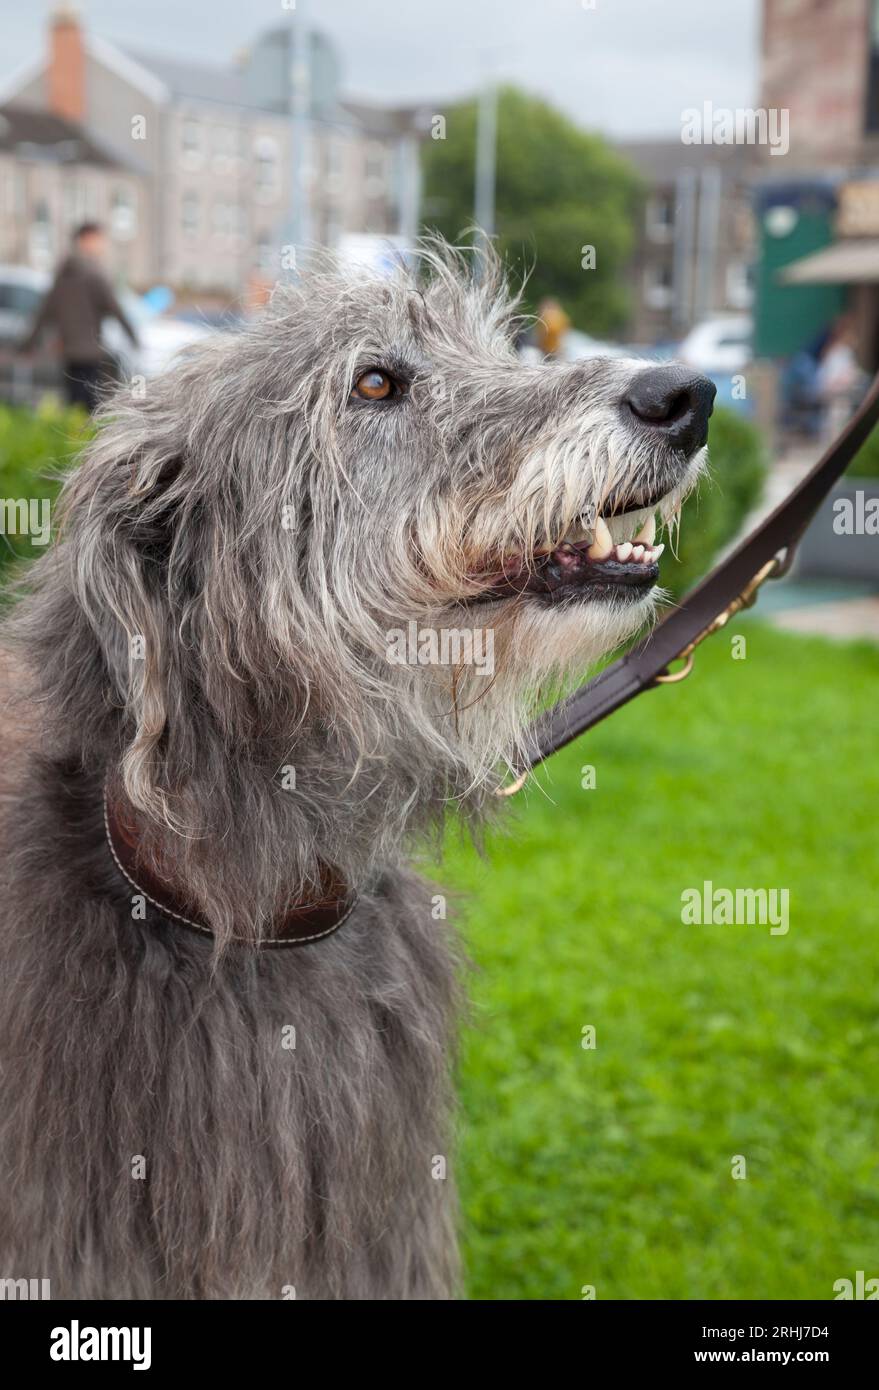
[{"x": 612, "y": 1166}]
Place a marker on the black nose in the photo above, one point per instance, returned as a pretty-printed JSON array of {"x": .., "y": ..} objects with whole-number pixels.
[{"x": 676, "y": 401}]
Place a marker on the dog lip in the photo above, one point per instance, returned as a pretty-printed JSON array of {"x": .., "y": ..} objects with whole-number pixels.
[{"x": 568, "y": 570}]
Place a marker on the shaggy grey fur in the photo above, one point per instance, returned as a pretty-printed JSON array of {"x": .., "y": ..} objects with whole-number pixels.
[{"x": 233, "y": 552}]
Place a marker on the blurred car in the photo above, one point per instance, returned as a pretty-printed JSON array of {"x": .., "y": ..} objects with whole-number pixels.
[
  {"x": 579, "y": 347},
  {"x": 161, "y": 335},
  {"x": 576, "y": 347},
  {"x": 718, "y": 345},
  {"x": 21, "y": 290}
]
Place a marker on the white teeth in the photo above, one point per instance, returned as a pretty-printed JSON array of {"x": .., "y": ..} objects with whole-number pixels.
[
  {"x": 638, "y": 554},
  {"x": 647, "y": 534},
  {"x": 602, "y": 545}
]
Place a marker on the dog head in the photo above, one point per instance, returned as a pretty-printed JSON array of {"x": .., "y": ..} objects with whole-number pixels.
[
  {"x": 366, "y": 517},
  {"x": 479, "y": 527}
]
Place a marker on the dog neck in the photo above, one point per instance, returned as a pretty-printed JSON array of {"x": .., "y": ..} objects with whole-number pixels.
[{"x": 147, "y": 867}]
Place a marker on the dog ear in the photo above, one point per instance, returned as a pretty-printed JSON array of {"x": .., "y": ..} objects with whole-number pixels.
[
  {"x": 119, "y": 528},
  {"x": 190, "y": 609}
]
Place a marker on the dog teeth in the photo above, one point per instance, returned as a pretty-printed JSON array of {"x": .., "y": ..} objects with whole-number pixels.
[
  {"x": 647, "y": 534},
  {"x": 636, "y": 554},
  {"x": 640, "y": 551},
  {"x": 602, "y": 546}
]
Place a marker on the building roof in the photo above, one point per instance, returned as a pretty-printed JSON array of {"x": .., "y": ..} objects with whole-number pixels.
[
  {"x": 28, "y": 132},
  {"x": 386, "y": 120},
  {"x": 228, "y": 86},
  {"x": 660, "y": 161},
  {"x": 201, "y": 81}
]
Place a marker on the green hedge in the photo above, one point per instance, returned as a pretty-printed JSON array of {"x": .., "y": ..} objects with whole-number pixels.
[
  {"x": 716, "y": 512},
  {"x": 35, "y": 449},
  {"x": 865, "y": 463}
]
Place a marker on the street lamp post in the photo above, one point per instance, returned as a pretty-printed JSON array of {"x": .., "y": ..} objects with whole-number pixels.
[
  {"x": 486, "y": 157},
  {"x": 300, "y": 113}
]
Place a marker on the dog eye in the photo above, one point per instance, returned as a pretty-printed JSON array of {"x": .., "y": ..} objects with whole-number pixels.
[{"x": 374, "y": 386}]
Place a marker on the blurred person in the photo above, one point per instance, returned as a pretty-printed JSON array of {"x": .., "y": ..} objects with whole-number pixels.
[
  {"x": 839, "y": 380},
  {"x": 551, "y": 327},
  {"x": 80, "y": 299}
]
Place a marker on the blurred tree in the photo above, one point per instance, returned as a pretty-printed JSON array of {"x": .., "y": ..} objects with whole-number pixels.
[{"x": 560, "y": 191}]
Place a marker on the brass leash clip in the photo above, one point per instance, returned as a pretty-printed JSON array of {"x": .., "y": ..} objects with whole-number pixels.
[{"x": 773, "y": 568}]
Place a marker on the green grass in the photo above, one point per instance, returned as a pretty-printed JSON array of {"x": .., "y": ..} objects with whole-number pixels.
[
  {"x": 612, "y": 1167},
  {"x": 36, "y": 449}
]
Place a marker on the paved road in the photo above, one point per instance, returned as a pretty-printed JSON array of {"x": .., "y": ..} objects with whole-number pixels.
[{"x": 830, "y": 608}]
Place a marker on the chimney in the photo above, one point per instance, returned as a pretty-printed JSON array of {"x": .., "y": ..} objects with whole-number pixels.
[{"x": 66, "y": 71}]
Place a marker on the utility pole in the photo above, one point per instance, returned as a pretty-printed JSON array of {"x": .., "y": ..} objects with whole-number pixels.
[
  {"x": 486, "y": 155},
  {"x": 300, "y": 116}
]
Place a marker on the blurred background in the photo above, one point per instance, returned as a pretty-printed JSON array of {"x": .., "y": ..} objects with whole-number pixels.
[{"x": 214, "y": 147}]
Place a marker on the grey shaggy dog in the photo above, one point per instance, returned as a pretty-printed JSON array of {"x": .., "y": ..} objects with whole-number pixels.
[{"x": 235, "y": 553}]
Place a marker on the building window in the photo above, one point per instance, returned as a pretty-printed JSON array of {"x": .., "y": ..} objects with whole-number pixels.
[
  {"x": 335, "y": 157},
  {"x": 739, "y": 285},
  {"x": 660, "y": 217},
  {"x": 658, "y": 286},
  {"x": 41, "y": 239},
  {"x": 872, "y": 121},
  {"x": 189, "y": 213},
  {"x": 265, "y": 253},
  {"x": 123, "y": 213},
  {"x": 266, "y": 171},
  {"x": 191, "y": 135},
  {"x": 227, "y": 147},
  {"x": 74, "y": 203},
  {"x": 334, "y": 166},
  {"x": 376, "y": 170},
  {"x": 19, "y": 193}
]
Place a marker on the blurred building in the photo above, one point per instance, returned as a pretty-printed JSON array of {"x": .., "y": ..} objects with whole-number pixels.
[
  {"x": 696, "y": 243},
  {"x": 213, "y": 147},
  {"x": 819, "y": 206},
  {"x": 54, "y": 176}
]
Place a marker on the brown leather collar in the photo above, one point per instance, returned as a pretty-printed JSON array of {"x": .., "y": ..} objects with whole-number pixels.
[{"x": 300, "y": 925}]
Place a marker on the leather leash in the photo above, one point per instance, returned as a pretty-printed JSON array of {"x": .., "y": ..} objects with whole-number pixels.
[{"x": 767, "y": 553}]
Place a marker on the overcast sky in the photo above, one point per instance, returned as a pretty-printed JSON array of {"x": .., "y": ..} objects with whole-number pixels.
[{"x": 628, "y": 67}]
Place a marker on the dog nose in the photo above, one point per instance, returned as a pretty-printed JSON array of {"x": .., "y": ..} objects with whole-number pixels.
[{"x": 676, "y": 401}]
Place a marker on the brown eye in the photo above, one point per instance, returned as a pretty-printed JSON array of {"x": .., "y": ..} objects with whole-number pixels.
[{"x": 373, "y": 386}]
